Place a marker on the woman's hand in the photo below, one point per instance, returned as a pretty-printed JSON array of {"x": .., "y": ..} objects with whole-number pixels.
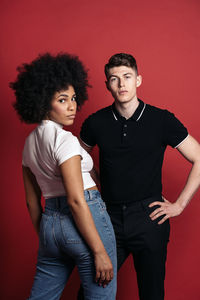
[
  {"x": 104, "y": 269},
  {"x": 72, "y": 179}
]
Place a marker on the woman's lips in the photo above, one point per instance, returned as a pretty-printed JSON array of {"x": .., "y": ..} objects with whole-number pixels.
[{"x": 71, "y": 116}]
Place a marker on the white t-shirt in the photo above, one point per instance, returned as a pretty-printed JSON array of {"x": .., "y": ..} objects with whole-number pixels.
[{"x": 45, "y": 149}]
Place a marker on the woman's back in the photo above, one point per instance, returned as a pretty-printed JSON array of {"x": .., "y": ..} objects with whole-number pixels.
[{"x": 47, "y": 147}]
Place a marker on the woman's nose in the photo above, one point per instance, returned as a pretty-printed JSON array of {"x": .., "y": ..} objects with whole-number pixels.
[{"x": 72, "y": 105}]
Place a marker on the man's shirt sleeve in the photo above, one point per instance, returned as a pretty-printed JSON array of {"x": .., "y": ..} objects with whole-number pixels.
[
  {"x": 87, "y": 133},
  {"x": 174, "y": 131}
]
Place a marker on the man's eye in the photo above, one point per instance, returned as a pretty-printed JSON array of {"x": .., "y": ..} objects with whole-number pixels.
[
  {"x": 127, "y": 76},
  {"x": 112, "y": 79}
]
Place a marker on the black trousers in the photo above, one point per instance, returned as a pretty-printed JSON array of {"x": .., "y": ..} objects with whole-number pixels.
[{"x": 147, "y": 241}]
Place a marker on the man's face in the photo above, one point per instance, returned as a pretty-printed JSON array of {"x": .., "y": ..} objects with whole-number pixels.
[{"x": 122, "y": 83}]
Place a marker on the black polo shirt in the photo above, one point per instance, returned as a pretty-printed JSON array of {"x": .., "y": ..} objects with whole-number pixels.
[{"x": 131, "y": 151}]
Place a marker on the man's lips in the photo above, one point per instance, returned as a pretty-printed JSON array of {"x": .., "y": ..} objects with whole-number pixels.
[{"x": 122, "y": 92}]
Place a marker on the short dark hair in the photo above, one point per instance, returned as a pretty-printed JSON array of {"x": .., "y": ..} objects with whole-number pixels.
[
  {"x": 121, "y": 59},
  {"x": 38, "y": 81}
]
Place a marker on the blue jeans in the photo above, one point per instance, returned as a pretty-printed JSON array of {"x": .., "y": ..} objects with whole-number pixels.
[{"x": 62, "y": 247}]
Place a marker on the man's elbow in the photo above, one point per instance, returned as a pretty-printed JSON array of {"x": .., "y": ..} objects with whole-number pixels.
[{"x": 88, "y": 148}]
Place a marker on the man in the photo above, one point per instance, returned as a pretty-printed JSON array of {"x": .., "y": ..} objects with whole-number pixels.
[{"x": 132, "y": 137}]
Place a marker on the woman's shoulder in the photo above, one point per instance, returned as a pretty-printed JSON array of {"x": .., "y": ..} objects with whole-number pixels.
[{"x": 62, "y": 136}]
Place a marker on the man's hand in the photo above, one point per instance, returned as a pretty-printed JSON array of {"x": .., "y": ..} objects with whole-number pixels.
[
  {"x": 190, "y": 149},
  {"x": 166, "y": 208}
]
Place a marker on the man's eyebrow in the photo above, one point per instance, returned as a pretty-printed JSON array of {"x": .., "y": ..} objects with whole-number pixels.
[
  {"x": 113, "y": 75},
  {"x": 127, "y": 74}
]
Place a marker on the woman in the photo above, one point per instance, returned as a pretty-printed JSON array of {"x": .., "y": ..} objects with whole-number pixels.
[{"x": 75, "y": 228}]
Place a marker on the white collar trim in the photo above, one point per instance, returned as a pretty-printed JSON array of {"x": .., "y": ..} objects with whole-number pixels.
[
  {"x": 114, "y": 115},
  {"x": 141, "y": 112}
]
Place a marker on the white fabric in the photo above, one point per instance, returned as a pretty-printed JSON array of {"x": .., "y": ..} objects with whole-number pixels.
[{"x": 47, "y": 147}]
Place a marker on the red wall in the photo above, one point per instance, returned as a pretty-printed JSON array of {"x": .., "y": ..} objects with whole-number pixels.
[{"x": 164, "y": 37}]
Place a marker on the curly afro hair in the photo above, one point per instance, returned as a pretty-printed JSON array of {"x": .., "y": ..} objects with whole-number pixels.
[{"x": 38, "y": 81}]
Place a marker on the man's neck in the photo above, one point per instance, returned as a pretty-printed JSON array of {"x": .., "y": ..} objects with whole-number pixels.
[{"x": 127, "y": 109}]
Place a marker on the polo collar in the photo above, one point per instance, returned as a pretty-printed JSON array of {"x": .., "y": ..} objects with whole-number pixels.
[
  {"x": 136, "y": 115},
  {"x": 45, "y": 122}
]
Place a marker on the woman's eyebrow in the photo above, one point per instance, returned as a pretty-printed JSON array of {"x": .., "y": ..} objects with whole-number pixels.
[{"x": 63, "y": 95}]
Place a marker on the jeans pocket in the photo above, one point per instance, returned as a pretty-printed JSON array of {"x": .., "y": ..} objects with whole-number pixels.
[
  {"x": 102, "y": 206},
  {"x": 43, "y": 229},
  {"x": 70, "y": 231},
  {"x": 106, "y": 224},
  {"x": 149, "y": 210},
  {"x": 165, "y": 227}
]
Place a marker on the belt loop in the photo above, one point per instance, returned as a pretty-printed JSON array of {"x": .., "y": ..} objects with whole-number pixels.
[
  {"x": 57, "y": 203},
  {"x": 90, "y": 196}
]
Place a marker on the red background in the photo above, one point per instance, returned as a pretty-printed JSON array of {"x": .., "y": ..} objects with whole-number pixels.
[{"x": 164, "y": 37}]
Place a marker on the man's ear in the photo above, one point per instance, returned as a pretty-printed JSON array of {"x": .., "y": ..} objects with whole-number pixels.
[
  {"x": 107, "y": 85},
  {"x": 139, "y": 80}
]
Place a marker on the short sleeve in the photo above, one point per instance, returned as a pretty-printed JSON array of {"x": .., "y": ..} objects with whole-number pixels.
[
  {"x": 87, "y": 132},
  {"x": 24, "y": 163},
  {"x": 174, "y": 130},
  {"x": 67, "y": 146}
]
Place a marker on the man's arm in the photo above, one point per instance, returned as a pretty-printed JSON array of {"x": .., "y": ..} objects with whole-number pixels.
[
  {"x": 190, "y": 149},
  {"x": 85, "y": 146},
  {"x": 94, "y": 172}
]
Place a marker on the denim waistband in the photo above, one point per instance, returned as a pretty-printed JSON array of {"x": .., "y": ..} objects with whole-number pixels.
[{"x": 60, "y": 202}]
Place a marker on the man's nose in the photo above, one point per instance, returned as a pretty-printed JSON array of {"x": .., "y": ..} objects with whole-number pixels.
[{"x": 121, "y": 82}]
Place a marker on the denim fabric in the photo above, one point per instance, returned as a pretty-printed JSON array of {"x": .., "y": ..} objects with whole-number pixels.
[{"x": 62, "y": 247}]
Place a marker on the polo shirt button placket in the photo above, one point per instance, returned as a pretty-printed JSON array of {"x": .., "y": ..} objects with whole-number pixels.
[
  {"x": 124, "y": 130},
  {"x": 124, "y": 207}
]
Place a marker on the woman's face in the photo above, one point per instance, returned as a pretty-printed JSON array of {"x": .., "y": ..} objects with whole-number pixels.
[{"x": 63, "y": 107}]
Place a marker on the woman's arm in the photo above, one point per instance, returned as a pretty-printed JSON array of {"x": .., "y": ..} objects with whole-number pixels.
[
  {"x": 72, "y": 179},
  {"x": 94, "y": 172},
  {"x": 33, "y": 197}
]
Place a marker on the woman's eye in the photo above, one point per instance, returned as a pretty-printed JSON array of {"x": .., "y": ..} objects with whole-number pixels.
[
  {"x": 74, "y": 98},
  {"x": 61, "y": 100}
]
